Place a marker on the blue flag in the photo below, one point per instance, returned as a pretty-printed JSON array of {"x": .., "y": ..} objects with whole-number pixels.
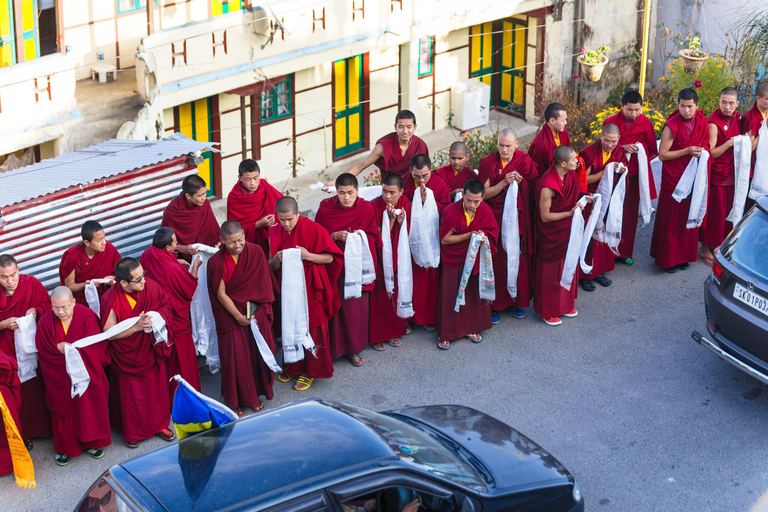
[{"x": 194, "y": 412}]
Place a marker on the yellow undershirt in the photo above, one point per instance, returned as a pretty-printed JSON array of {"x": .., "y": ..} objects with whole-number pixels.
[
  {"x": 65, "y": 328},
  {"x": 557, "y": 138},
  {"x": 606, "y": 156},
  {"x": 131, "y": 301},
  {"x": 455, "y": 172},
  {"x": 469, "y": 216},
  {"x": 764, "y": 114}
]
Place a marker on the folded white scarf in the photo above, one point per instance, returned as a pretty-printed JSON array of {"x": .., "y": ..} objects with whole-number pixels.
[
  {"x": 92, "y": 293},
  {"x": 605, "y": 189},
  {"x": 613, "y": 223},
  {"x": 201, "y": 312},
  {"x": 694, "y": 182},
  {"x": 26, "y": 351},
  {"x": 759, "y": 186},
  {"x": 486, "y": 278},
  {"x": 78, "y": 374},
  {"x": 404, "y": 269},
  {"x": 264, "y": 350},
  {"x": 425, "y": 230},
  {"x": 510, "y": 237},
  {"x": 742, "y": 160},
  {"x": 578, "y": 242},
  {"x": 295, "y": 312},
  {"x": 644, "y": 181},
  {"x": 358, "y": 264}
]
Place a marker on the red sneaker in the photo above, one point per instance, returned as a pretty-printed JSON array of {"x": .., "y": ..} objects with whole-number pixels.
[
  {"x": 166, "y": 435},
  {"x": 572, "y": 314},
  {"x": 552, "y": 321}
]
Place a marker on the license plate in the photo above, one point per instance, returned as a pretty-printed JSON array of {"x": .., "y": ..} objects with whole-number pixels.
[{"x": 751, "y": 299}]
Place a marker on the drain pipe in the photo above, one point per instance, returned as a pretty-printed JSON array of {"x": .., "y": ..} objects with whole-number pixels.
[{"x": 577, "y": 44}]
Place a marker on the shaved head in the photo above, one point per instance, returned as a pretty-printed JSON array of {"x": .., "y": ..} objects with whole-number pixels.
[
  {"x": 287, "y": 204},
  {"x": 762, "y": 89},
  {"x": 458, "y": 146},
  {"x": 229, "y": 228},
  {"x": 62, "y": 293},
  {"x": 508, "y": 132},
  {"x": 611, "y": 129}
]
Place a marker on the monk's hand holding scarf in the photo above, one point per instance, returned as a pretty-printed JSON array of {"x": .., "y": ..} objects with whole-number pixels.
[
  {"x": 644, "y": 180},
  {"x": 578, "y": 242},
  {"x": 425, "y": 230},
  {"x": 404, "y": 268},
  {"x": 694, "y": 182},
  {"x": 358, "y": 264},
  {"x": 295, "y": 312},
  {"x": 478, "y": 245},
  {"x": 510, "y": 237}
]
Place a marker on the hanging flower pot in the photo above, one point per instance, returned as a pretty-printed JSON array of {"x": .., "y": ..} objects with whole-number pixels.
[
  {"x": 693, "y": 60},
  {"x": 593, "y": 62}
]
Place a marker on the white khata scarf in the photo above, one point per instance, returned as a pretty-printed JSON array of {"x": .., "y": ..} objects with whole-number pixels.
[
  {"x": 264, "y": 350},
  {"x": 425, "y": 230},
  {"x": 76, "y": 369},
  {"x": 358, "y": 264},
  {"x": 486, "y": 284},
  {"x": 742, "y": 160},
  {"x": 578, "y": 243},
  {"x": 203, "y": 324},
  {"x": 295, "y": 312},
  {"x": 608, "y": 230},
  {"x": 694, "y": 182},
  {"x": 92, "y": 294},
  {"x": 510, "y": 237},
  {"x": 26, "y": 350},
  {"x": 404, "y": 269},
  {"x": 644, "y": 181},
  {"x": 760, "y": 178}
]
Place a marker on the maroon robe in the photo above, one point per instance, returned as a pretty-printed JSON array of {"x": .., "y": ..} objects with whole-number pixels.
[
  {"x": 138, "y": 390},
  {"x": 394, "y": 161},
  {"x": 349, "y": 327},
  {"x": 721, "y": 184},
  {"x": 82, "y": 422},
  {"x": 30, "y": 293},
  {"x": 475, "y": 315},
  {"x": 247, "y": 209},
  {"x": 673, "y": 243},
  {"x": 244, "y": 374},
  {"x": 100, "y": 266},
  {"x": 322, "y": 295},
  {"x": 543, "y": 145},
  {"x": 599, "y": 253},
  {"x": 426, "y": 281},
  {"x": 192, "y": 224},
  {"x": 384, "y": 324},
  {"x": 641, "y": 131},
  {"x": 750, "y": 123},
  {"x": 458, "y": 180},
  {"x": 179, "y": 285},
  {"x": 549, "y": 298},
  {"x": 491, "y": 169},
  {"x": 10, "y": 389}
]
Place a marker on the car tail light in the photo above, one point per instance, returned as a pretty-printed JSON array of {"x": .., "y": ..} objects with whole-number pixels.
[{"x": 717, "y": 270}]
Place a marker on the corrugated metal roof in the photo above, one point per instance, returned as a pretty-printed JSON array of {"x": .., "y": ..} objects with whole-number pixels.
[{"x": 91, "y": 164}]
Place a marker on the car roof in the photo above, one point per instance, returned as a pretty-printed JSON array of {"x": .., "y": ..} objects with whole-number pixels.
[{"x": 261, "y": 458}]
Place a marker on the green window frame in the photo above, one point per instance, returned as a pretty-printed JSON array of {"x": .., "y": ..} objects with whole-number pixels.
[
  {"x": 426, "y": 56},
  {"x": 276, "y": 100},
  {"x": 123, "y": 5}
]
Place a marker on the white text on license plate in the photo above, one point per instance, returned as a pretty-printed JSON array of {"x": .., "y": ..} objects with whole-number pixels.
[{"x": 752, "y": 299}]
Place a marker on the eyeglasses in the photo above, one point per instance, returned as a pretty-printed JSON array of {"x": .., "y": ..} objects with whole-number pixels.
[{"x": 139, "y": 279}]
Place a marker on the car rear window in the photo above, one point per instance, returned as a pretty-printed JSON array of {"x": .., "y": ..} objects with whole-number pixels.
[{"x": 747, "y": 246}]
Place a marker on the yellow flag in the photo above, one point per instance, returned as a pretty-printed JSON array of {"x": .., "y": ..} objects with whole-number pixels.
[{"x": 22, "y": 462}]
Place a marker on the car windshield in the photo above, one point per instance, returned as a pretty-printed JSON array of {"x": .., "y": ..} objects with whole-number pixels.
[
  {"x": 419, "y": 449},
  {"x": 746, "y": 246}
]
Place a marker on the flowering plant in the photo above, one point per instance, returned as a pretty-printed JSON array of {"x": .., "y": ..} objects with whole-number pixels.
[
  {"x": 372, "y": 178},
  {"x": 478, "y": 145},
  {"x": 715, "y": 75},
  {"x": 694, "y": 48},
  {"x": 594, "y": 56},
  {"x": 656, "y": 118}
]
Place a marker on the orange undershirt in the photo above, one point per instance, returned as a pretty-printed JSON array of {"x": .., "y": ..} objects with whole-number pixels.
[
  {"x": 131, "y": 301},
  {"x": 469, "y": 216},
  {"x": 557, "y": 138}
]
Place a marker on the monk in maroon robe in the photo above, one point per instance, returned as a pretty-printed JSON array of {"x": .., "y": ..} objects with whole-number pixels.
[
  {"x": 460, "y": 220},
  {"x": 685, "y": 136},
  {"x": 557, "y": 193},
  {"x": 384, "y": 324},
  {"x": 426, "y": 281},
  {"x": 596, "y": 158},
  {"x": 93, "y": 258},
  {"x": 252, "y": 203},
  {"x": 179, "y": 284},
  {"x": 191, "y": 217},
  {"x": 323, "y": 261},
  {"x": 10, "y": 389},
  {"x": 238, "y": 275},
  {"x": 458, "y": 172},
  {"x": 80, "y": 423},
  {"x": 139, "y": 403},
  {"x": 340, "y": 215},
  {"x": 750, "y": 125},
  {"x": 551, "y": 135},
  {"x": 498, "y": 171},
  {"x": 22, "y": 295},
  {"x": 636, "y": 129},
  {"x": 393, "y": 152},
  {"x": 723, "y": 127}
]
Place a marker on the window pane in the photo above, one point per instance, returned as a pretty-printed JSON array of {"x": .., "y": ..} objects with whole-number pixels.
[
  {"x": 425, "y": 56},
  {"x": 131, "y": 5}
]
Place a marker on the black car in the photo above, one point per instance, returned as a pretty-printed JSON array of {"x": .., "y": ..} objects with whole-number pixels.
[
  {"x": 322, "y": 456},
  {"x": 736, "y": 296}
]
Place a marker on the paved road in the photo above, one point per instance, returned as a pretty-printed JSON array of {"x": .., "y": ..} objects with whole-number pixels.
[{"x": 644, "y": 417}]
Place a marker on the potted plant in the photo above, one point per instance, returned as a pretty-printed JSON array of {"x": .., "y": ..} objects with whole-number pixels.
[
  {"x": 593, "y": 62},
  {"x": 693, "y": 57}
]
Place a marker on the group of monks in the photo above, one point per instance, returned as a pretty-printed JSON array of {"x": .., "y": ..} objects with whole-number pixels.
[{"x": 144, "y": 304}]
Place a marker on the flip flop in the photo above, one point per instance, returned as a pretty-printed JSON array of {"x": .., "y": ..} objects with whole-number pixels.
[
  {"x": 408, "y": 330},
  {"x": 258, "y": 408},
  {"x": 303, "y": 383},
  {"x": 395, "y": 344},
  {"x": 381, "y": 348},
  {"x": 284, "y": 377},
  {"x": 239, "y": 412},
  {"x": 355, "y": 359},
  {"x": 433, "y": 329},
  {"x": 479, "y": 337},
  {"x": 442, "y": 347},
  {"x": 707, "y": 261}
]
